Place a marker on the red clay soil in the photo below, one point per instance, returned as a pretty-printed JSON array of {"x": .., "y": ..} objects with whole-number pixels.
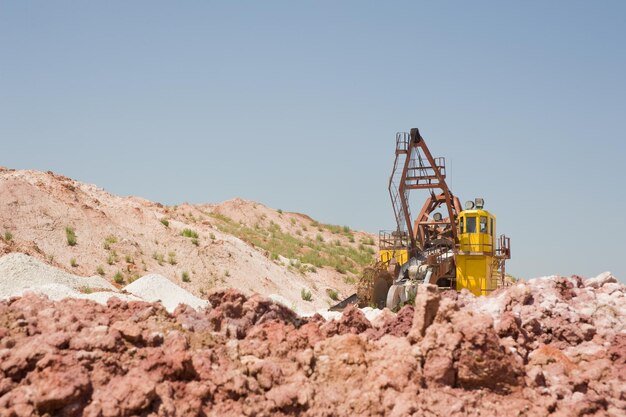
[{"x": 553, "y": 347}]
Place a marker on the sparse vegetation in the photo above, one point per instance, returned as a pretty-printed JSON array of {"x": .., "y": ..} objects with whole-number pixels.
[
  {"x": 112, "y": 258},
  {"x": 100, "y": 271},
  {"x": 165, "y": 222},
  {"x": 118, "y": 277},
  {"x": 212, "y": 236},
  {"x": 333, "y": 294},
  {"x": 70, "y": 235},
  {"x": 280, "y": 211},
  {"x": 129, "y": 259},
  {"x": 171, "y": 258},
  {"x": 315, "y": 252},
  {"x": 189, "y": 233},
  {"x": 185, "y": 276},
  {"x": 195, "y": 241},
  {"x": 108, "y": 241},
  {"x": 159, "y": 257},
  {"x": 73, "y": 262},
  {"x": 8, "y": 236},
  {"x": 86, "y": 290},
  {"x": 227, "y": 273},
  {"x": 306, "y": 295}
]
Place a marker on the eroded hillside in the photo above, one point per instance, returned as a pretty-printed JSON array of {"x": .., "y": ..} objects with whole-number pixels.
[{"x": 237, "y": 244}]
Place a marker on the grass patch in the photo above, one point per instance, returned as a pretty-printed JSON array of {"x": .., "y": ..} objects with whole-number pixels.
[
  {"x": 185, "y": 276},
  {"x": 70, "y": 235},
  {"x": 306, "y": 295},
  {"x": 73, "y": 262},
  {"x": 112, "y": 258},
  {"x": 159, "y": 257},
  {"x": 192, "y": 234},
  {"x": 100, "y": 271},
  {"x": 333, "y": 294},
  {"x": 165, "y": 222},
  {"x": 171, "y": 258},
  {"x": 108, "y": 241},
  {"x": 8, "y": 236},
  {"x": 313, "y": 252}
]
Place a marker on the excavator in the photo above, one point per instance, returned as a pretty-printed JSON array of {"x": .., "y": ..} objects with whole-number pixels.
[{"x": 445, "y": 245}]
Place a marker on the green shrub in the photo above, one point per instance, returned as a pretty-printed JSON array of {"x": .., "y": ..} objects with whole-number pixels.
[
  {"x": 227, "y": 273},
  {"x": 165, "y": 222},
  {"x": 280, "y": 211},
  {"x": 73, "y": 262},
  {"x": 118, "y": 278},
  {"x": 333, "y": 294},
  {"x": 189, "y": 233},
  {"x": 319, "y": 238},
  {"x": 306, "y": 295},
  {"x": 212, "y": 236},
  {"x": 195, "y": 241},
  {"x": 185, "y": 276},
  {"x": 129, "y": 259},
  {"x": 100, "y": 271},
  {"x": 8, "y": 236},
  {"x": 341, "y": 269},
  {"x": 70, "y": 234}
]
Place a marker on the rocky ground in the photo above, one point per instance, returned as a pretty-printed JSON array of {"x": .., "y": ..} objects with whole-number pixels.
[{"x": 552, "y": 346}]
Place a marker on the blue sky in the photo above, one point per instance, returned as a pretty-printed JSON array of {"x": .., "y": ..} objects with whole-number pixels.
[{"x": 296, "y": 105}]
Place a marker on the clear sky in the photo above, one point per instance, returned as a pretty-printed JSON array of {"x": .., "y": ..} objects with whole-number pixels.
[{"x": 296, "y": 105}]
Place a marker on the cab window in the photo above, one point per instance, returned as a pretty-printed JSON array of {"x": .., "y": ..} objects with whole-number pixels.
[
  {"x": 483, "y": 224},
  {"x": 462, "y": 224},
  {"x": 471, "y": 224},
  {"x": 491, "y": 228}
]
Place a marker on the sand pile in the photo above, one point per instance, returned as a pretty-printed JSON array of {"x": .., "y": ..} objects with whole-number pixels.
[
  {"x": 157, "y": 288},
  {"x": 20, "y": 274},
  {"x": 555, "y": 346}
]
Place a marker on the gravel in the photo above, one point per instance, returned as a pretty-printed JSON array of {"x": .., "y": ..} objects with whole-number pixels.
[{"x": 155, "y": 287}]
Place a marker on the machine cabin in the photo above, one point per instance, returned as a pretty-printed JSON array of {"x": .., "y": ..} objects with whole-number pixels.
[{"x": 476, "y": 259}]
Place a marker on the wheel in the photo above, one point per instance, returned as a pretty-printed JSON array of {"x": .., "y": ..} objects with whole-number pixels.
[{"x": 394, "y": 297}]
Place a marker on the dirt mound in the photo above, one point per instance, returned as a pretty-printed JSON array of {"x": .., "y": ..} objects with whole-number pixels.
[{"x": 553, "y": 346}]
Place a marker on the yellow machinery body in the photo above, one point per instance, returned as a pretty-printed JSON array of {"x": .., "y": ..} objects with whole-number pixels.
[
  {"x": 476, "y": 264},
  {"x": 475, "y": 255},
  {"x": 386, "y": 255}
]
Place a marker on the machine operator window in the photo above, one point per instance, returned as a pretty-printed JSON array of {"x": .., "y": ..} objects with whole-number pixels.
[
  {"x": 483, "y": 224},
  {"x": 461, "y": 225},
  {"x": 491, "y": 229},
  {"x": 471, "y": 224}
]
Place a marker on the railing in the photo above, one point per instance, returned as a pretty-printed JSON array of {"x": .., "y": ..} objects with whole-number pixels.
[
  {"x": 402, "y": 142},
  {"x": 393, "y": 240}
]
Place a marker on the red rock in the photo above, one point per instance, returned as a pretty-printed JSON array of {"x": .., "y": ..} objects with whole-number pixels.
[{"x": 426, "y": 306}]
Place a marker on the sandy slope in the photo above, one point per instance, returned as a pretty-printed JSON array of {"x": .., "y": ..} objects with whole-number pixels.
[{"x": 36, "y": 208}]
